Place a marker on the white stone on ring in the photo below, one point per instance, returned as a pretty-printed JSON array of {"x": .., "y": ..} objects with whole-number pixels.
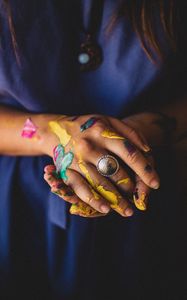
[{"x": 107, "y": 165}]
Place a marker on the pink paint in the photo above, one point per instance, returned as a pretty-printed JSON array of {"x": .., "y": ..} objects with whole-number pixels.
[
  {"x": 55, "y": 153},
  {"x": 29, "y": 129}
]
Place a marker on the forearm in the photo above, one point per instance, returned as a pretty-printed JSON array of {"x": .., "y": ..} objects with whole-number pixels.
[{"x": 12, "y": 142}]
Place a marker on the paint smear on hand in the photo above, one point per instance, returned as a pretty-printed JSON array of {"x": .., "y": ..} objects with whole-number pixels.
[
  {"x": 89, "y": 123},
  {"x": 58, "y": 153},
  {"x": 125, "y": 181},
  {"x": 148, "y": 169},
  {"x": 111, "y": 135},
  {"x": 84, "y": 210},
  {"x": 129, "y": 146},
  {"x": 60, "y": 132},
  {"x": 62, "y": 161},
  {"x": 108, "y": 195},
  {"x": 140, "y": 202},
  {"x": 86, "y": 173},
  {"x": 89, "y": 179},
  {"x": 29, "y": 129},
  {"x": 65, "y": 164},
  {"x": 96, "y": 195}
]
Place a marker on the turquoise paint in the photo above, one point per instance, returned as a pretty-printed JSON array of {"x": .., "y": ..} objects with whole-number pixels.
[{"x": 89, "y": 123}]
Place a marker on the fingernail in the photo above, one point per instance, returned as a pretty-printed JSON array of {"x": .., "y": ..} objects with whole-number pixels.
[
  {"x": 60, "y": 186},
  {"x": 146, "y": 148},
  {"x": 69, "y": 193},
  {"x": 105, "y": 208},
  {"x": 129, "y": 212},
  {"x": 155, "y": 184},
  {"x": 57, "y": 192}
]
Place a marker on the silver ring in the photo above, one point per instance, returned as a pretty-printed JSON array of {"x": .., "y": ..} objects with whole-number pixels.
[{"x": 107, "y": 165}]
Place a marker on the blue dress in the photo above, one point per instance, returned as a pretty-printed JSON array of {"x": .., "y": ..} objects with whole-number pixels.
[{"x": 46, "y": 253}]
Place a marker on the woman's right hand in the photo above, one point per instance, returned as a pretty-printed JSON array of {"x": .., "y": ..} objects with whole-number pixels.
[{"x": 84, "y": 141}]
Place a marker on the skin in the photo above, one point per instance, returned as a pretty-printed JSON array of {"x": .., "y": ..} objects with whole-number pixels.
[
  {"x": 138, "y": 129},
  {"x": 101, "y": 193}
]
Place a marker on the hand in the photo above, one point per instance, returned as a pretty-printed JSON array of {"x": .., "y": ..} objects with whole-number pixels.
[
  {"x": 59, "y": 188},
  {"x": 85, "y": 139}
]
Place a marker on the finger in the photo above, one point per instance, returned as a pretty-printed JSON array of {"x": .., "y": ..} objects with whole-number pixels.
[
  {"x": 58, "y": 187},
  {"x": 123, "y": 181},
  {"x": 49, "y": 169},
  {"x": 129, "y": 132},
  {"x": 140, "y": 194},
  {"x": 85, "y": 192},
  {"x": 84, "y": 210},
  {"x": 78, "y": 207},
  {"x": 106, "y": 189},
  {"x": 134, "y": 158}
]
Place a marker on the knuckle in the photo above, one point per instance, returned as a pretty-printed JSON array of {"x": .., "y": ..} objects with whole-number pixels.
[
  {"x": 133, "y": 133},
  {"x": 77, "y": 184},
  {"x": 84, "y": 146},
  {"x": 91, "y": 201},
  {"x": 133, "y": 158},
  {"x": 98, "y": 129},
  {"x": 103, "y": 182}
]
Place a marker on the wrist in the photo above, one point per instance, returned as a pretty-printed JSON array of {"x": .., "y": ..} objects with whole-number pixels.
[{"x": 47, "y": 139}]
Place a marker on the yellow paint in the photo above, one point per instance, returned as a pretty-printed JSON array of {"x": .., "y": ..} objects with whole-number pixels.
[
  {"x": 111, "y": 135},
  {"x": 86, "y": 173},
  {"x": 83, "y": 209},
  {"x": 140, "y": 203},
  {"x": 108, "y": 195},
  {"x": 125, "y": 180},
  {"x": 96, "y": 196},
  {"x": 89, "y": 179},
  {"x": 60, "y": 132},
  {"x": 118, "y": 209}
]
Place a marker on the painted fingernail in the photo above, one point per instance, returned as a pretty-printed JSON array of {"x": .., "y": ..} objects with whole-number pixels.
[
  {"x": 69, "y": 193},
  {"x": 155, "y": 184},
  {"x": 60, "y": 186},
  {"x": 105, "y": 208},
  {"x": 57, "y": 192},
  {"x": 146, "y": 148},
  {"x": 129, "y": 212}
]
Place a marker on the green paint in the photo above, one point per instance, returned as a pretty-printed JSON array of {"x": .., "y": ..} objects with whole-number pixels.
[
  {"x": 65, "y": 164},
  {"x": 56, "y": 175},
  {"x": 62, "y": 161},
  {"x": 89, "y": 123}
]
